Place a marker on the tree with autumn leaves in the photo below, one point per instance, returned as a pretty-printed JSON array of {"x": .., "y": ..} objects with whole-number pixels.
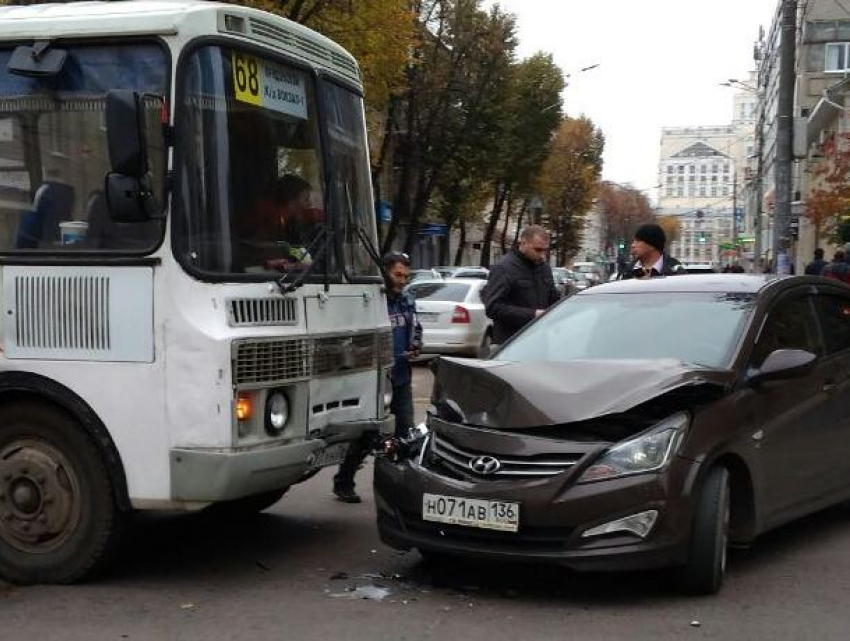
[
  {"x": 828, "y": 203},
  {"x": 568, "y": 182}
]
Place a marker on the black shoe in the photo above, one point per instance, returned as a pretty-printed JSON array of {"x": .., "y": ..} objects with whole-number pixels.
[{"x": 347, "y": 495}]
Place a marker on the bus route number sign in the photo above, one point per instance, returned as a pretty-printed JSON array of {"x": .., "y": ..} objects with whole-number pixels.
[{"x": 263, "y": 84}]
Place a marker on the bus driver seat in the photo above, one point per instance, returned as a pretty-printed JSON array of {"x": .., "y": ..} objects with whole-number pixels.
[{"x": 39, "y": 227}]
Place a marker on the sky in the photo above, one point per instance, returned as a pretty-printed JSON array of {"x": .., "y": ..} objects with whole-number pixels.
[{"x": 660, "y": 65}]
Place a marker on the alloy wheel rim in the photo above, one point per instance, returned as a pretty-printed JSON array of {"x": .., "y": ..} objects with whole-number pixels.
[{"x": 39, "y": 496}]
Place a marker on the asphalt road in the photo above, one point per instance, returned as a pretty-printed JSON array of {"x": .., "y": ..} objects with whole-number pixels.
[{"x": 289, "y": 574}]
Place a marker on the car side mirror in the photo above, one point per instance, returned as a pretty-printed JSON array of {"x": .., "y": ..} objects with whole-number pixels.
[
  {"x": 783, "y": 364},
  {"x": 129, "y": 196}
]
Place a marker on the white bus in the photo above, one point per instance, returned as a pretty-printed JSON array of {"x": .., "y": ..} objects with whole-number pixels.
[{"x": 192, "y": 312}]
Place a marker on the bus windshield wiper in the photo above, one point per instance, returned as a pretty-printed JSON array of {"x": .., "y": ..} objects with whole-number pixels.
[{"x": 325, "y": 235}]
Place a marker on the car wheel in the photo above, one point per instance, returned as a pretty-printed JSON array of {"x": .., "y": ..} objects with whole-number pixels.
[
  {"x": 58, "y": 516},
  {"x": 485, "y": 347},
  {"x": 706, "y": 566},
  {"x": 247, "y": 505}
]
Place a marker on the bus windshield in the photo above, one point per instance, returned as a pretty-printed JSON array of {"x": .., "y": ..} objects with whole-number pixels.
[
  {"x": 54, "y": 155},
  {"x": 252, "y": 179}
]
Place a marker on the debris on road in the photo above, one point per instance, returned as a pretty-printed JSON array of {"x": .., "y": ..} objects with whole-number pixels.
[{"x": 365, "y": 592}]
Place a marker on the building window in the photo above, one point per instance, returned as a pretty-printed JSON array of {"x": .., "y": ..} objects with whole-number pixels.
[
  {"x": 692, "y": 191},
  {"x": 681, "y": 192},
  {"x": 681, "y": 169},
  {"x": 714, "y": 191},
  {"x": 702, "y": 191},
  {"x": 725, "y": 191},
  {"x": 669, "y": 191},
  {"x": 714, "y": 179},
  {"x": 691, "y": 178},
  {"x": 836, "y": 57},
  {"x": 670, "y": 169},
  {"x": 725, "y": 169},
  {"x": 703, "y": 169},
  {"x": 702, "y": 179},
  {"x": 693, "y": 169},
  {"x": 681, "y": 179},
  {"x": 671, "y": 179}
]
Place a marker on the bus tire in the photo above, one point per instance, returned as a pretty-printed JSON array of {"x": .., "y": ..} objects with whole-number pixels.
[{"x": 58, "y": 517}]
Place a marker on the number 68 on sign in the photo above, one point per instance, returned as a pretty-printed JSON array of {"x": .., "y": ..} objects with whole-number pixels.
[{"x": 246, "y": 79}]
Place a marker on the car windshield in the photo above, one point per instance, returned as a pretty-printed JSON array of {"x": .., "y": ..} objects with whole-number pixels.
[
  {"x": 450, "y": 292},
  {"x": 702, "y": 329},
  {"x": 54, "y": 155},
  {"x": 252, "y": 123}
]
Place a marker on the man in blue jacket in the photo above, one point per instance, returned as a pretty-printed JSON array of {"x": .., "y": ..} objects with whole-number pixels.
[{"x": 407, "y": 344}]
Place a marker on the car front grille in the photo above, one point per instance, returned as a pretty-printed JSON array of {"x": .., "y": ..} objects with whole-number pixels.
[{"x": 458, "y": 462}]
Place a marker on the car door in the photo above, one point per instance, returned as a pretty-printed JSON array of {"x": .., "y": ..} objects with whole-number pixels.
[
  {"x": 789, "y": 413},
  {"x": 833, "y": 310}
]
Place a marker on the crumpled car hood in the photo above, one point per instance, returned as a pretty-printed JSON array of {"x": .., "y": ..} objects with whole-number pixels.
[{"x": 501, "y": 394}]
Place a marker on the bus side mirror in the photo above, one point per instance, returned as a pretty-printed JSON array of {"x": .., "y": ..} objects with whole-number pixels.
[
  {"x": 129, "y": 196},
  {"x": 125, "y": 133}
]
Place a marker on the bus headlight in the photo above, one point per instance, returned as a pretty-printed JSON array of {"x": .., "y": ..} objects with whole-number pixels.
[
  {"x": 277, "y": 413},
  {"x": 387, "y": 392}
]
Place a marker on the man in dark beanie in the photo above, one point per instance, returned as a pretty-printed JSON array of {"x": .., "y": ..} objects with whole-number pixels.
[{"x": 648, "y": 251}]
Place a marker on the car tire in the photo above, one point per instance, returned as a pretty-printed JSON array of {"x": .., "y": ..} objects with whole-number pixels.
[
  {"x": 706, "y": 567},
  {"x": 59, "y": 521},
  {"x": 485, "y": 347},
  {"x": 247, "y": 505}
]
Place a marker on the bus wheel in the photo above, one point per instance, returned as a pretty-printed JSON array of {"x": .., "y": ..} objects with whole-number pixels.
[{"x": 58, "y": 518}]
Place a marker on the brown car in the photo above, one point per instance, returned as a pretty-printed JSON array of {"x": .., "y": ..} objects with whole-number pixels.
[{"x": 640, "y": 424}]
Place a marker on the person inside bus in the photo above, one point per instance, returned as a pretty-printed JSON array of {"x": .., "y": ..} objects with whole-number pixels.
[{"x": 285, "y": 225}]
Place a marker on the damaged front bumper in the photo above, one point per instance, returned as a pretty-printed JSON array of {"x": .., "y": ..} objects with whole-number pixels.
[
  {"x": 555, "y": 511},
  {"x": 223, "y": 474}
]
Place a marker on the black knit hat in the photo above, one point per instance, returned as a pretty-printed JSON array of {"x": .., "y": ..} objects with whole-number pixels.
[{"x": 652, "y": 235}]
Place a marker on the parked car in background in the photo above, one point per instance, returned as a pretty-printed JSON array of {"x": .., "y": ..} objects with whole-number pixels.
[
  {"x": 564, "y": 281},
  {"x": 699, "y": 268},
  {"x": 640, "y": 424},
  {"x": 592, "y": 271},
  {"x": 424, "y": 274},
  {"x": 446, "y": 271},
  {"x": 580, "y": 281},
  {"x": 481, "y": 273},
  {"x": 452, "y": 316}
]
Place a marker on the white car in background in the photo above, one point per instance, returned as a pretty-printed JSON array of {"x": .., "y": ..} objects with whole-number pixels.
[{"x": 452, "y": 316}]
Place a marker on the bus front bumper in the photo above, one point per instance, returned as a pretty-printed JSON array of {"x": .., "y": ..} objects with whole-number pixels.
[{"x": 223, "y": 474}]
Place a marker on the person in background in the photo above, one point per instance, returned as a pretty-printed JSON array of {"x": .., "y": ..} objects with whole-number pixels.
[
  {"x": 839, "y": 268},
  {"x": 648, "y": 251},
  {"x": 407, "y": 345},
  {"x": 521, "y": 286}
]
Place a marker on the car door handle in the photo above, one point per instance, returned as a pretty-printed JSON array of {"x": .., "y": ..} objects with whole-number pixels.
[{"x": 830, "y": 388}]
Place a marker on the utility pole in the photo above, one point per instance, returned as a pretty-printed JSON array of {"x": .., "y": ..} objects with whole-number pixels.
[
  {"x": 785, "y": 136},
  {"x": 735, "y": 210}
]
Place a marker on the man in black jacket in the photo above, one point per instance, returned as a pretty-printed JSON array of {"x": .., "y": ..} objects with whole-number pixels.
[
  {"x": 520, "y": 287},
  {"x": 650, "y": 259}
]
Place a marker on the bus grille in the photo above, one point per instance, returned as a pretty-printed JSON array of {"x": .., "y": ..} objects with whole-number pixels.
[
  {"x": 280, "y": 360},
  {"x": 247, "y": 312}
]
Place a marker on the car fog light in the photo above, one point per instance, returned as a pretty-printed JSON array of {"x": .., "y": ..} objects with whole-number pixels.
[
  {"x": 638, "y": 524},
  {"x": 277, "y": 413}
]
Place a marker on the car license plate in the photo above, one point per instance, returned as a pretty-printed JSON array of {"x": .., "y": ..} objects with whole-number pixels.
[
  {"x": 331, "y": 455},
  {"x": 427, "y": 317},
  {"x": 480, "y": 513}
]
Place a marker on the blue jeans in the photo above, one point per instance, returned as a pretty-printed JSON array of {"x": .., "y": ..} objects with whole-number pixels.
[{"x": 402, "y": 409}]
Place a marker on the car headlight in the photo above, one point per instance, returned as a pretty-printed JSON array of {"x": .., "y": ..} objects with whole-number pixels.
[
  {"x": 277, "y": 413},
  {"x": 648, "y": 452}
]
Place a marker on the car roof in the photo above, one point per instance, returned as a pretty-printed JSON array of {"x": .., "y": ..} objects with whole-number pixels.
[
  {"x": 450, "y": 281},
  {"x": 730, "y": 283}
]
